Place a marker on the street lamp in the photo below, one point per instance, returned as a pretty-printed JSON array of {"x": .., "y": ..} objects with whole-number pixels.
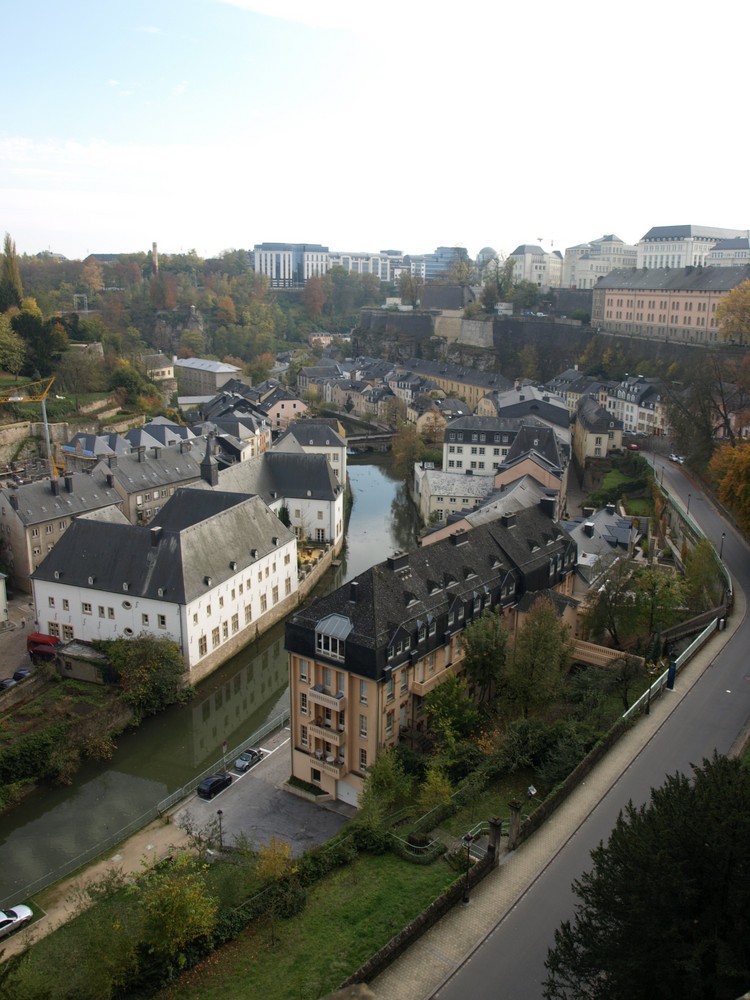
[
  {"x": 220, "y": 813},
  {"x": 690, "y": 496},
  {"x": 467, "y": 841},
  {"x": 651, "y": 671},
  {"x": 721, "y": 547}
]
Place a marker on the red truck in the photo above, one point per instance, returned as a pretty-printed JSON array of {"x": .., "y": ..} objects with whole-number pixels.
[{"x": 40, "y": 646}]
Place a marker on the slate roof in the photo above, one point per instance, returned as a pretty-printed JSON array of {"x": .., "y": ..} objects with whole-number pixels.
[
  {"x": 685, "y": 232},
  {"x": 594, "y": 417},
  {"x": 171, "y": 560},
  {"x": 78, "y": 494},
  {"x": 457, "y": 373},
  {"x": 395, "y": 595},
  {"x": 541, "y": 442},
  {"x": 528, "y": 248},
  {"x": 135, "y": 473},
  {"x": 273, "y": 475},
  {"x": 93, "y": 445},
  {"x": 696, "y": 279},
  {"x": 202, "y": 364},
  {"x": 311, "y": 433}
]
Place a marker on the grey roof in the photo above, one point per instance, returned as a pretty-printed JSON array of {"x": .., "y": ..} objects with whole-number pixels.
[
  {"x": 508, "y": 499},
  {"x": 594, "y": 417},
  {"x": 311, "y": 433},
  {"x": 605, "y": 530},
  {"x": 184, "y": 554},
  {"x": 686, "y": 232},
  {"x": 737, "y": 243},
  {"x": 142, "y": 472},
  {"x": 697, "y": 279},
  {"x": 93, "y": 445},
  {"x": 558, "y": 601},
  {"x": 78, "y": 494},
  {"x": 275, "y": 475},
  {"x": 457, "y": 484},
  {"x": 542, "y": 442},
  {"x": 201, "y": 364},
  {"x": 457, "y": 373},
  {"x": 528, "y": 248}
]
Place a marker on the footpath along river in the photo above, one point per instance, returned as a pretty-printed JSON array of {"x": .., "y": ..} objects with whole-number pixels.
[{"x": 55, "y": 825}]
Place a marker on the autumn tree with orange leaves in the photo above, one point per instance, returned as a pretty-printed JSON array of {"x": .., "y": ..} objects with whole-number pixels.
[{"x": 730, "y": 467}]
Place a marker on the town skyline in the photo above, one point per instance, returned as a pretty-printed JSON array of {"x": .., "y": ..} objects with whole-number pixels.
[{"x": 215, "y": 124}]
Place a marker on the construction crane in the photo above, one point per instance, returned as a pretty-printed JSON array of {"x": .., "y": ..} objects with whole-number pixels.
[{"x": 34, "y": 392}]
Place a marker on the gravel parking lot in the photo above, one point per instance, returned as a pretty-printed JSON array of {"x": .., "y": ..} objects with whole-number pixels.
[{"x": 259, "y": 806}]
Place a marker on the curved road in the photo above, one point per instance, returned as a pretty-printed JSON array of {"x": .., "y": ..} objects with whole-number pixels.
[{"x": 509, "y": 964}]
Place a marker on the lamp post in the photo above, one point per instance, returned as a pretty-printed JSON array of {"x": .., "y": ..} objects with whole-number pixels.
[
  {"x": 220, "y": 814},
  {"x": 690, "y": 497},
  {"x": 721, "y": 547},
  {"x": 651, "y": 671},
  {"x": 467, "y": 841}
]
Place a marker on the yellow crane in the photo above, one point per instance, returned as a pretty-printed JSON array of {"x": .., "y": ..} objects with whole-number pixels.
[{"x": 34, "y": 392}]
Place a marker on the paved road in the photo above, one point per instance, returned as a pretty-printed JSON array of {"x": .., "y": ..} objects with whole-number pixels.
[{"x": 509, "y": 965}]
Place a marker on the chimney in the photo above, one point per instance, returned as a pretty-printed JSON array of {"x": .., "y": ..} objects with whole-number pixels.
[
  {"x": 610, "y": 508},
  {"x": 353, "y": 587},
  {"x": 508, "y": 520},
  {"x": 110, "y": 480},
  {"x": 398, "y": 561},
  {"x": 155, "y": 536},
  {"x": 55, "y": 487},
  {"x": 141, "y": 453},
  {"x": 69, "y": 482},
  {"x": 459, "y": 537},
  {"x": 13, "y": 500},
  {"x": 157, "y": 451},
  {"x": 588, "y": 529},
  {"x": 547, "y": 506},
  {"x": 112, "y": 461}
]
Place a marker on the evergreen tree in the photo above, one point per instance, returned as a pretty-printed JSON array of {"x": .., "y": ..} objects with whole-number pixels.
[{"x": 11, "y": 290}]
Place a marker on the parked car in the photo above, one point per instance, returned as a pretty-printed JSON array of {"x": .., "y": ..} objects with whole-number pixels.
[
  {"x": 22, "y": 673},
  {"x": 214, "y": 784},
  {"x": 248, "y": 758},
  {"x": 633, "y": 446},
  {"x": 14, "y": 919},
  {"x": 7, "y": 682},
  {"x": 680, "y": 459}
]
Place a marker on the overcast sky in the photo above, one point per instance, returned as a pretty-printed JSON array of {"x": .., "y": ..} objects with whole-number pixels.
[{"x": 218, "y": 124}]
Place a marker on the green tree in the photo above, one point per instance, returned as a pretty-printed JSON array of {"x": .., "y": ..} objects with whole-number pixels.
[
  {"x": 703, "y": 585},
  {"x": 176, "y": 904},
  {"x": 150, "y": 672},
  {"x": 485, "y": 647},
  {"x": 274, "y": 867},
  {"x": 11, "y": 289},
  {"x": 452, "y": 714},
  {"x": 12, "y": 347},
  {"x": 541, "y": 654},
  {"x": 611, "y": 608},
  {"x": 410, "y": 288},
  {"x": 524, "y": 295},
  {"x": 659, "y": 598},
  {"x": 665, "y": 910},
  {"x": 406, "y": 448},
  {"x": 387, "y": 787},
  {"x": 436, "y": 788}
]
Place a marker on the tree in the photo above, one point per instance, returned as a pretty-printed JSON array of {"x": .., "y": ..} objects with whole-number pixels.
[
  {"x": 703, "y": 585},
  {"x": 659, "y": 597},
  {"x": 452, "y": 714},
  {"x": 485, "y": 647},
  {"x": 177, "y": 906},
  {"x": 730, "y": 467},
  {"x": 436, "y": 788},
  {"x": 612, "y": 608},
  {"x": 150, "y": 672},
  {"x": 541, "y": 654},
  {"x": 407, "y": 448},
  {"x": 12, "y": 347},
  {"x": 274, "y": 867},
  {"x": 11, "y": 289},
  {"x": 733, "y": 313},
  {"x": 387, "y": 786},
  {"x": 410, "y": 288},
  {"x": 313, "y": 297},
  {"x": 665, "y": 910},
  {"x": 524, "y": 295},
  {"x": 624, "y": 672}
]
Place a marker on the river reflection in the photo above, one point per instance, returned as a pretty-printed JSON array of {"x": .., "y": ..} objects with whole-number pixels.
[{"x": 56, "y": 825}]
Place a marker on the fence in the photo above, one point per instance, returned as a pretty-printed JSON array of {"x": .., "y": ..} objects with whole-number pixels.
[{"x": 153, "y": 813}]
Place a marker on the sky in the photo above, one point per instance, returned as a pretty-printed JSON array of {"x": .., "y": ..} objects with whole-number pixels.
[{"x": 211, "y": 125}]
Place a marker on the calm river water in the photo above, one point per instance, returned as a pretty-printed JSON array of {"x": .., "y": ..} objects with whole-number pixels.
[{"x": 56, "y": 825}]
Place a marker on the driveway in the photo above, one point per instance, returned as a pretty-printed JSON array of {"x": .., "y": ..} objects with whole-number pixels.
[{"x": 258, "y": 805}]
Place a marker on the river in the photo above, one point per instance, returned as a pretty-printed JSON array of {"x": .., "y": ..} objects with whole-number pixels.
[{"x": 54, "y": 825}]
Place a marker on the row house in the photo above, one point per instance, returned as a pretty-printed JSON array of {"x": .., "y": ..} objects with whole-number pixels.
[
  {"x": 206, "y": 573},
  {"x": 665, "y": 304},
  {"x": 572, "y": 385},
  {"x": 363, "y": 658},
  {"x": 316, "y": 437},
  {"x": 639, "y": 405},
  {"x": 596, "y": 431},
  {"x": 144, "y": 481},
  {"x": 34, "y": 517},
  {"x": 466, "y": 384}
]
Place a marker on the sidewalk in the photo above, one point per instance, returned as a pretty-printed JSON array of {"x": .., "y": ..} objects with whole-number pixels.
[{"x": 428, "y": 963}]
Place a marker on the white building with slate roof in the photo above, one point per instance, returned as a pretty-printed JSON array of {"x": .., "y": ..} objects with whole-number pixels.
[{"x": 207, "y": 572}]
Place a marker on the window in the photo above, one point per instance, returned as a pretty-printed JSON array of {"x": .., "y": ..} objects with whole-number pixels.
[
  {"x": 303, "y": 668},
  {"x": 315, "y": 775},
  {"x": 389, "y": 688},
  {"x": 327, "y": 678},
  {"x": 303, "y": 736},
  {"x": 303, "y": 703},
  {"x": 215, "y": 637},
  {"x": 263, "y": 603},
  {"x": 66, "y": 604},
  {"x": 235, "y": 623},
  {"x": 248, "y": 614},
  {"x": 363, "y": 726},
  {"x": 287, "y": 586},
  {"x": 195, "y": 618},
  {"x": 389, "y": 724},
  {"x": 110, "y": 613},
  {"x": 35, "y": 532},
  {"x": 67, "y": 632},
  {"x": 320, "y": 515},
  {"x": 144, "y": 619},
  {"x": 202, "y": 646},
  {"x": 86, "y": 608},
  {"x": 221, "y": 602},
  {"x": 53, "y": 629},
  {"x": 363, "y": 692},
  {"x": 208, "y": 610},
  {"x": 48, "y": 529},
  {"x": 275, "y": 595},
  {"x": 363, "y": 760},
  {"x": 224, "y": 631},
  {"x": 330, "y": 646},
  {"x": 51, "y": 601}
]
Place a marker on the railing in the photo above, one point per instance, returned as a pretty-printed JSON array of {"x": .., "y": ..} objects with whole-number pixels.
[
  {"x": 143, "y": 820},
  {"x": 326, "y": 700},
  {"x": 334, "y": 736}
]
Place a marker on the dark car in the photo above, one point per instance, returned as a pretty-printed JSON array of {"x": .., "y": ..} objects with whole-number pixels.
[
  {"x": 248, "y": 758},
  {"x": 7, "y": 682},
  {"x": 214, "y": 784},
  {"x": 22, "y": 673}
]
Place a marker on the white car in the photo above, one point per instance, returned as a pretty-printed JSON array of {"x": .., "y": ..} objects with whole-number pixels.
[
  {"x": 15, "y": 918},
  {"x": 680, "y": 459}
]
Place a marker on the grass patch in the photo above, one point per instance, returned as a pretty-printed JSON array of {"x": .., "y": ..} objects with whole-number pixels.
[
  {"x": 493, "y": 801},
  {"x": 349, "y": 916}
]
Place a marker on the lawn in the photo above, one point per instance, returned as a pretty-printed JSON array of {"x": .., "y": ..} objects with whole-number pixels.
[{"x": 349, "y": 916}]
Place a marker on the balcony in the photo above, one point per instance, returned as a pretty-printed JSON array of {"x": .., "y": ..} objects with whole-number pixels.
[
  {"x": 333, "y": 735},
  {"x": 317, "y": 696},
  {"x": 421, "y": 688},
  {"x": 335, "y": 766}
]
